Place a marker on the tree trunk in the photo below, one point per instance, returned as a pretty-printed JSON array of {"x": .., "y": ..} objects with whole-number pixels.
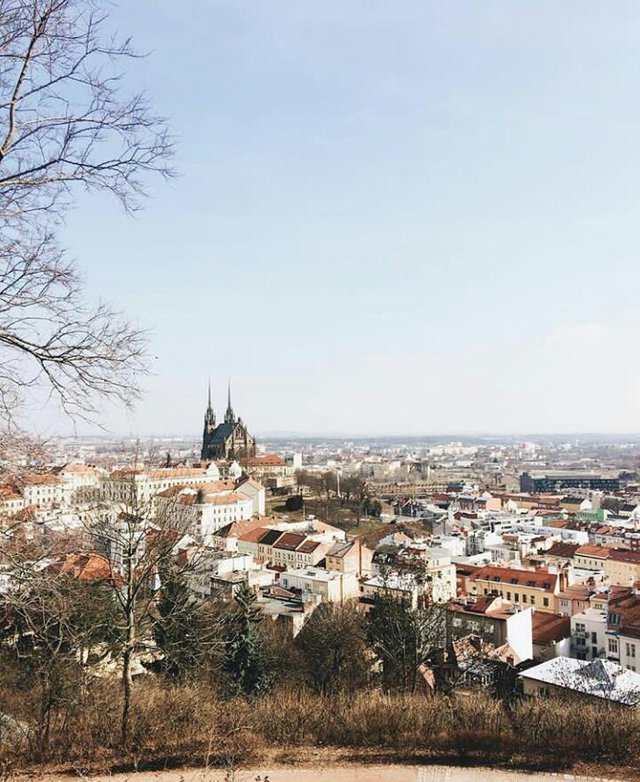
[
  {"x": 126, "y": 692},
  {"x": 127, "y": 660}
]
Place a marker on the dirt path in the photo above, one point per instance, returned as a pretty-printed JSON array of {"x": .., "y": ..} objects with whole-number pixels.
[{"x": 341, "y": 773}]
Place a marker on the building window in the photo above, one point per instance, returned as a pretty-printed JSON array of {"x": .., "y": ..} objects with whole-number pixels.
[
  {"x": 612, "y": 644},
  {"x": 545, "y": 602}
]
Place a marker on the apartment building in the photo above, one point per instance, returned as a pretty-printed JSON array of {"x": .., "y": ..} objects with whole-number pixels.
[
  {"x": 536, "y": 588},
  {"x": 622, "y": 567},
  {"x": 591, "y": 557},
  {"x": 140, "y": 487}
]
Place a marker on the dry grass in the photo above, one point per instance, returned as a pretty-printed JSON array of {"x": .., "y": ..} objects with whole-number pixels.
[{"x": 174, "y": 726}]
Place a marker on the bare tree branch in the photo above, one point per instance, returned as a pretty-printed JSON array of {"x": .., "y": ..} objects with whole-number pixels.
[{"x": 65, "y": 121}]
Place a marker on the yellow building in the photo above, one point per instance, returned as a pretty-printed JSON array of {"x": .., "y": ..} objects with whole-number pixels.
[
  {"x": 623, "y": 567},
  {"x": 591, "y": 557},
  {"x": 537, "y": 588}
]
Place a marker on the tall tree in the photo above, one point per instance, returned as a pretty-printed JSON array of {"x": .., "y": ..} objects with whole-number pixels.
[
  {"x": 333, "y": 646},
  {"x": 402, "y": 638},
  {"x": 141, "y": 545},
  {"x": 245, "y": 658},
  {"x": 185, "y": 631}
]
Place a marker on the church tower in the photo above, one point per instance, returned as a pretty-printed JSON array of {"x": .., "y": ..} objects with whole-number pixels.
[
  {"x": 229, "y": 416},
  {"x": 209, "y": 426}
]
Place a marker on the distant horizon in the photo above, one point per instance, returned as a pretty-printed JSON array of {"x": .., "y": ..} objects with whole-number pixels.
[{"x": 281, "y": 435}]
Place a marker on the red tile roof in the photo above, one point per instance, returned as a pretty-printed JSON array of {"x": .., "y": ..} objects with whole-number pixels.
[
  {"x": 84, "y": 567},
  {"x": 547, "y": 627},
  {"x": 252, "y": 535},
  {"x": 511, "y": 576},
  {"x": 268, "y": 460},
  {"x": 600, "y": 552}
]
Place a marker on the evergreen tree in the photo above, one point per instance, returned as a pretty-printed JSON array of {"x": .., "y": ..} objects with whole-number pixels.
[
  {"x": 245, "y": 659},
  {"x": 180, "y": 630}
]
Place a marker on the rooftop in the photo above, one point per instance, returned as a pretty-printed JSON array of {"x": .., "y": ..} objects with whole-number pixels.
[
  {"x": 534, "y": 579},
  {"x": 598, "y": 678}
]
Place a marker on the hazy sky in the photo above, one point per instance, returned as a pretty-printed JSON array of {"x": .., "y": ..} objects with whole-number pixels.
[{"x": 392, "y": 217}]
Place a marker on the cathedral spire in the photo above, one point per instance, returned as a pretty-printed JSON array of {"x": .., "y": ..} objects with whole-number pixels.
[
  {"x": 209, "y": 416},
  {"x": 229, "y": 415}
]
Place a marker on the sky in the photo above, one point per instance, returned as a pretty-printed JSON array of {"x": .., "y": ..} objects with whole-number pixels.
[{"x": 409, "y": 217}]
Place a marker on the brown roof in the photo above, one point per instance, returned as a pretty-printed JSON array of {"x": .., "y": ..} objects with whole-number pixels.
[
  {"x": 289, "y": 541},
  {"x": 240, "y": 528},
  {"x": 511, "y": 576},
  {"x": 191, "y": 495},
  {"x": 251, "y": 536},
  {"x": 557, "y": 523},
  {"x": 465, "y": 569},
  {"x": 268, "y": 460},
  {"x": 167, "y": 473},
  {"x": 81, "y": 469},
  {"x": 562, "y": 550},
  {"x": 576, "y": 592},
  {"x": 547, "y": 627},
  {"x": 601, "y": 552},
  {"x": 623, "y": 555},
  {"x": 7, "y": 493},
  {"x": 222, "y": 499},
  {"x": 84, "y": 566},
  {"x": 38, "y": 480},
  {"x": 477, "y": 605},
  {"x": 308, "y": 546}
]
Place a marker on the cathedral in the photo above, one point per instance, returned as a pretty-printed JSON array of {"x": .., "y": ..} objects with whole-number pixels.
[{"x": 227, "y": 440}]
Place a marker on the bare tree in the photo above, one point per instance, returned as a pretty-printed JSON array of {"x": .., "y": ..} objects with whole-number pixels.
[
  {"x": 48, "y": 332},
  {"x": 65, "y": 119},
  {"x": 147, "y": 549},
  {"x": 65, "y": 122},
  {"x": 51, "y": 624},
  {"x": 333, "y": 647}
]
